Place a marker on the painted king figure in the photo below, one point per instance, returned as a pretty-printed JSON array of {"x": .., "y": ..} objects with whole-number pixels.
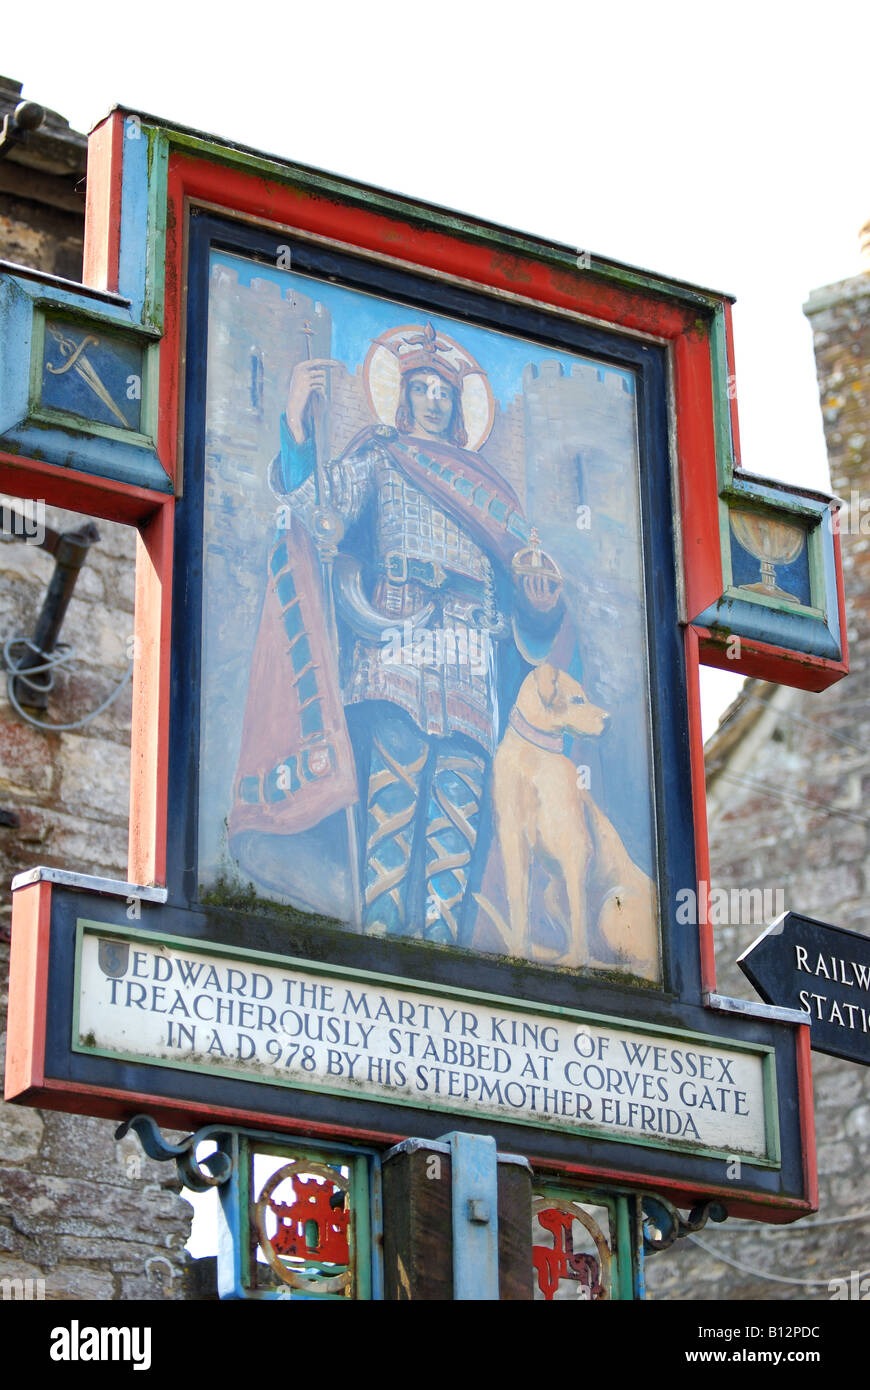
[{"x": 407, "y": 600}]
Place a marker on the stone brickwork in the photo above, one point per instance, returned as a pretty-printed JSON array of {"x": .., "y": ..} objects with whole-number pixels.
[
  {"x": 69, "y": 790},
  {"x": 92, "y": 1218},
  {"x": 789, "y": 806},
  {"x": 42, "y": 194},
  {"x": 574, "y": 424}
]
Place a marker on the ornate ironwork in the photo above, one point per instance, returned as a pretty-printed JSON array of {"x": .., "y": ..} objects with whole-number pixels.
[
  {"x": 198, "y": 1175},
  {"x": 312, "y": 1229},
  {"x": 661, "y": 1216},
  {"x": 591, "y": 1272}
]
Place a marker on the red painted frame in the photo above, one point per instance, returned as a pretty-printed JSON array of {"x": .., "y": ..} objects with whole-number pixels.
[
  {"x": 234, "y": 192},
  {"x": 191, "y": 180}
]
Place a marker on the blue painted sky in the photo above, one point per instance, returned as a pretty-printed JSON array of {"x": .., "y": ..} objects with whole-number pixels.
[{"x": 358, "y": 318}]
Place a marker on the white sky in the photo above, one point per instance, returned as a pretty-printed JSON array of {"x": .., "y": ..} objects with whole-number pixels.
[{"x": 725, "y": 145}]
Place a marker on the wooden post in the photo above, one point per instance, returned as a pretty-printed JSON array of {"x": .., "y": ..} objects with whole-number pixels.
[{"x": 419, "y": 1238}]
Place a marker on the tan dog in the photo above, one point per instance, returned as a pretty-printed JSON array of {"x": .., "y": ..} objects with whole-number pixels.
[{"x": 543, "y": 815}]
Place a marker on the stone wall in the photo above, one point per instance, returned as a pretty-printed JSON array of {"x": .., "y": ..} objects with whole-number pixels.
[
  {"x": 42, "y": 194},
  {"x": 789, "y": 807},
  {"x": 91, "y": 1217}
]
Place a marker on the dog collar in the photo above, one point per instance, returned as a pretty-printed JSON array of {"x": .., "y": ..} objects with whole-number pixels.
[{"x": 551, "y": 743}]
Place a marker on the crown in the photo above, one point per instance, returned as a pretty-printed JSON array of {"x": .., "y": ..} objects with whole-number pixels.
[
  {"x": 412, "y": 347},
  {"x": 426, "y": 350}
]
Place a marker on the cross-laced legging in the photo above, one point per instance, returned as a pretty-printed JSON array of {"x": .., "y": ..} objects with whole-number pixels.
[{"x": 407, "y": 772}]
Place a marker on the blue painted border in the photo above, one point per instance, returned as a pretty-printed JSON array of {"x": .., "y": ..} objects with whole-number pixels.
[
  {"x": 794, "y": 632},
  {"x": 73, "y": 446},
  {"x": 797, "y": 630},
  {"x": 133, "y": 250}
]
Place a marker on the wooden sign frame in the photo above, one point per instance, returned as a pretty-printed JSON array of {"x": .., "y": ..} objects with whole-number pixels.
[{"x": 158, "y": 197}]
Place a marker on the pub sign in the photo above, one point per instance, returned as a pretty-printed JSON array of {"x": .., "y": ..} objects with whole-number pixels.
[{"x": 437, "y": 521}]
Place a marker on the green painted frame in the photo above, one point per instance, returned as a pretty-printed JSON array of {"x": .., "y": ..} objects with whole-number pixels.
[
  {"x": 624, "y": 1211},
  {"x": 765, "y": 1052},
  {"x": 364, "y": 1226},
  {"x": 52, "y": 415}
]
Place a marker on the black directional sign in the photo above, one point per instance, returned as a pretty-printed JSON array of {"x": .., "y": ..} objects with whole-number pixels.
[{"x": 800, "y": 963}]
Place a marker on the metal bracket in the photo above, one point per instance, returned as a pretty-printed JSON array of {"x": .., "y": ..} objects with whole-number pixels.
[
  {"x": 409, "y": 1146},
  {"x": 213, "y": 1171},
  {"x": 70, "y": 550},
  {"x": 660, "y": 1215},
  {"x": 474, "y": 1172},
  {"x": 751, "y": 1008},
  {"x": 90, "y": 883}
]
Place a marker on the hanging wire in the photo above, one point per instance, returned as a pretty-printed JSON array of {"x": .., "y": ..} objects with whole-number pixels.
[
  {"x": 773, "y": 1278},
  {"x": 60, "y": 659},
  {"x": 824, "y": 1221},
  {"x": 792, "y": 796},
  {"x": 806, "y": 723}
]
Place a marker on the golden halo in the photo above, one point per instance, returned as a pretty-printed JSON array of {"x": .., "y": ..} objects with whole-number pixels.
[{"x": 382, "y": 377}]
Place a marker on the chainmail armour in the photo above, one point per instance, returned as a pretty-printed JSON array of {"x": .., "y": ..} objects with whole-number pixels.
[
  {"x": 435, "y": 686},
  {"x": 444, "y": 676}
]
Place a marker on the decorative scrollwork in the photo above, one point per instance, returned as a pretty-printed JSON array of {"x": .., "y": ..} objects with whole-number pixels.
[
  {"x": 663, "y": 1224},
  {"x": 197, "y": 1175}
]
